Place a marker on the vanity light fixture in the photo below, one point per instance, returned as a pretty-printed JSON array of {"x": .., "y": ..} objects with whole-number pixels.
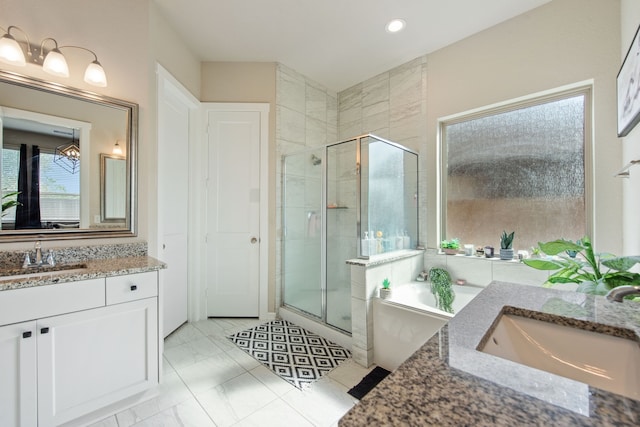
[
  {"x": 117, "y": 150},
  {"x": 52, "y": 61},
  {"x": 396, "y": 25}
]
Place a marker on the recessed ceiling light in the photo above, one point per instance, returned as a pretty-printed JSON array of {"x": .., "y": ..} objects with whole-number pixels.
[{"x": 396, "y": 25}]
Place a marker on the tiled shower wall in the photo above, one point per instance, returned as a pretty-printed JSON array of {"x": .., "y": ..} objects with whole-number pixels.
[
  {"x": 306, "y": 117},
  {"x": 391, "y": 105}
]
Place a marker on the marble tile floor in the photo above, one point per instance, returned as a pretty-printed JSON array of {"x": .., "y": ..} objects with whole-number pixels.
[{"x": 208, "y": 381}]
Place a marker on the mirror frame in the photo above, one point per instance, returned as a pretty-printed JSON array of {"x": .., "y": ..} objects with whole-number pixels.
[{"x": 131, "y": 110}]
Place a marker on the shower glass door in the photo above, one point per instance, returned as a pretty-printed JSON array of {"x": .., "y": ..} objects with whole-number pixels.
[
  {"x": 302, "y": 232},
  {"x": 341, "y": 230}
]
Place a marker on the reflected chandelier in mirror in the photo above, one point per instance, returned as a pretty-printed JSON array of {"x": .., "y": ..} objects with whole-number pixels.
[{"x": 46, "y": 128}]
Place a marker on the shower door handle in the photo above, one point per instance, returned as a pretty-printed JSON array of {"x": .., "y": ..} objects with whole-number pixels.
[{"x": 254, "y": 240}]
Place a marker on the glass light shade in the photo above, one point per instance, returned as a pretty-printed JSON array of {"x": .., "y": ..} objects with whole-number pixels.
[
  {"x": 94, "y": 75},
  {"x": 117, "y": 150},
  {"x": 11, "y": 52},
  {"x": 56, "y": 64}
]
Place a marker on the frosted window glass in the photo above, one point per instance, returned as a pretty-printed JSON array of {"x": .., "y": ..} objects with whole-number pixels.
[{"x": 520, "y": 170}]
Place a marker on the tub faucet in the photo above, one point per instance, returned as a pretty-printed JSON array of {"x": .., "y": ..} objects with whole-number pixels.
[{"x": 618, "y": 294}]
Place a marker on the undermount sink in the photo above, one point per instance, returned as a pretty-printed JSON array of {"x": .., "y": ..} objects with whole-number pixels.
[
  {"x": 601, "y": 360},
  {"x": 39, "y": 272}
]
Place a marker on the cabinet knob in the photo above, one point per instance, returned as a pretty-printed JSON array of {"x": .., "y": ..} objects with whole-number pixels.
[
  {"x": 26, "y": 334},
  {"x": 44, "y": 330},
  {"x": 134, "y": 287}
]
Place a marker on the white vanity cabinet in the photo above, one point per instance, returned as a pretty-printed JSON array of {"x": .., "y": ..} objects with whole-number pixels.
[{"x": 86, "y": 359}]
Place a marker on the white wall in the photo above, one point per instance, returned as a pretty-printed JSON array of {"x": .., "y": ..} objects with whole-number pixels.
[
  {"x": 630, "y": 19},
  {"x": 127, "y": 36},
  {"x": 559, "y": 43}
]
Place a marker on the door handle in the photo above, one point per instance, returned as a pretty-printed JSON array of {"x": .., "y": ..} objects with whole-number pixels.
[{"x": 254, "y": 240}]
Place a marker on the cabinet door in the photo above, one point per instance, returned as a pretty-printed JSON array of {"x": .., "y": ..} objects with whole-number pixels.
[
  {"x": 90, "y": 359},
  {"x": 18, "y": 394}
]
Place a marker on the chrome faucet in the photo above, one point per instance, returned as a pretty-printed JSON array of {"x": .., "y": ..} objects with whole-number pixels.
[
  {"x": 617, "y": 294},
  {"x": 38, "y": 261}
]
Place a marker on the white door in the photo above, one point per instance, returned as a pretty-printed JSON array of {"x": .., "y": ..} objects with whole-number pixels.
[
  {"x": 233, "y": 209},
  {"x": 174, "y": 109}
]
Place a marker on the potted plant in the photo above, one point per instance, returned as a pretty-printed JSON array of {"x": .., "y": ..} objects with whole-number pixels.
[
  {"x": 385, "y": 290},
  {"x": 585, "y": 270},
  {"x": 441, "y": 288},
  {"x": 450, "y": 247},
  {"x": 506, "y": 245}
]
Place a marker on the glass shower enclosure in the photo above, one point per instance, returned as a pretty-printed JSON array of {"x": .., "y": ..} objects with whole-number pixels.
[{"x": 353, "y": 199}]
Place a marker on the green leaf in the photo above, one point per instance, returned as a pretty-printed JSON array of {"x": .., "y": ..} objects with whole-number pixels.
[
  {"x": 560, "y": 279},
  {"x": 557, "y": 246},
  {"x": 589, "y": 256},
  {"x": 542, "y": 264},
  {"x": 621, "y": 263},
  {"x": 613, "y": 280}
]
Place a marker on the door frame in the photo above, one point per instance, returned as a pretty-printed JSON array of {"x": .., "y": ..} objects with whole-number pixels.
[{"x": 263, "y": 109}]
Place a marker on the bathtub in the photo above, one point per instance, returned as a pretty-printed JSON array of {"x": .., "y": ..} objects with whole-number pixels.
[{"x": 402, "y": 323}]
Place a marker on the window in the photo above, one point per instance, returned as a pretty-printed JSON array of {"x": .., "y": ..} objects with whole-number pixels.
[{"x": 518, "y": 168}]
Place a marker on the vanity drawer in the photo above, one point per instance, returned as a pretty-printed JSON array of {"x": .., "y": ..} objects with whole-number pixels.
[
  {"x": 18, "y": 305},
  {"x": 131, "y": 287}
]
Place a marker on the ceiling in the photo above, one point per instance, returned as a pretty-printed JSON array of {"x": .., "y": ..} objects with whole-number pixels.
[{"x": 337, "y": 43}]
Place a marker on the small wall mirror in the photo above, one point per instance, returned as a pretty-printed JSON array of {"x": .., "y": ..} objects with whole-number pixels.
[
  {"x": 57, "y": 163},
  {"x": 113, "y": 175}
]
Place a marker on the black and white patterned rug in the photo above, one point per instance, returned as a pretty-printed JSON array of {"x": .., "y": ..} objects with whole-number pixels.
[{"x": 295, "y": 354}]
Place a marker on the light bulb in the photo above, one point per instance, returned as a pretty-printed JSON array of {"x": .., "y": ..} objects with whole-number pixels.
[
  {"x": 395, "y": 25},
  {"x": 10, "y": 51},
  {"x": 117, "y": 150},
  {"x": 95, "y": 75},
  {"x": 56, "y": 64}
]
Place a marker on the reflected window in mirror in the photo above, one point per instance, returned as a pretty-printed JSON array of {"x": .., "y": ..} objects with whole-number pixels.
[{"x": 47, "y": 194}]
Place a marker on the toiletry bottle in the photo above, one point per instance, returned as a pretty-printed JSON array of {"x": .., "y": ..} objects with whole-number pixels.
[
  {"x": 407, "y": 240},
  {"x": 399, "y": 241},
  {"x": 364, "y": 244}
]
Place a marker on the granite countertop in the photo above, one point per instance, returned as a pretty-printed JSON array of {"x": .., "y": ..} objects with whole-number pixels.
[
  {"x": 448, "y": 382},
  {"x": 81, "y": 270}
]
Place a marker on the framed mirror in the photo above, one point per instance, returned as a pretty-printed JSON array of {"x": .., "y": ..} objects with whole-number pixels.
[
  {"x": 59, "y": 176},
  {"x": 113, "y": 177}
]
